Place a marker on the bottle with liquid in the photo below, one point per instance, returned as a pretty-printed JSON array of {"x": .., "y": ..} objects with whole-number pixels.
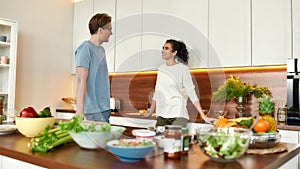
[
  {"x": 172, "y": 141},
  {"x": 185, "y": 141}
]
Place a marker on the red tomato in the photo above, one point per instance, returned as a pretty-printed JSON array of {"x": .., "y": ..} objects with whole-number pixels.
[{"x": 28, "y": 112}]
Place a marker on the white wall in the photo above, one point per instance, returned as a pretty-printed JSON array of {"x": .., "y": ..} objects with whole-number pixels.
[{"x": 44, "y": 50}]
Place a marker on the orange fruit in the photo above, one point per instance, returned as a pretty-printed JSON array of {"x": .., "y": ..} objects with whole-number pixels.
[
  {"x": 221, "y": 122},
  {"x": 261, "y": 126}
]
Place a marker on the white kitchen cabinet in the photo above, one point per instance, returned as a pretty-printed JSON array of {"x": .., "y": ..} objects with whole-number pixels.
[
  {"x": 8, "y": 49},
  {"x": 229, "y": 33},
  {"x": 289, "y": 136},
  {"x": 109, "y": 7},
  {"x": 296, "y": 28},
  {"x": 83, "y": 11},
  {"x": 128, "y": 35},
  {"x": 217, "y": 33},
  {"x": 176, "y": 19},
  {"x": 9, "y": 163},
  {"x": 271, "y": 31}
]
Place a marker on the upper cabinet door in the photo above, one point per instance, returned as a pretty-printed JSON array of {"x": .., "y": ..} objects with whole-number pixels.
[
  {"x": 83, "y": 11},
  {"x": 296, "y": 28},
  {"x": 174, "y": 19},
  {"x": 271, "y": 31},
  {"x": 128, "y": 35},
  {"x": 109, "y": 7},
  {"x": 229, "y": 33}
]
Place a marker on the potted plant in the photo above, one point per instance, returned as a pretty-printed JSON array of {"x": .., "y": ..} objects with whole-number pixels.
[{"x": 233, "y": 88}]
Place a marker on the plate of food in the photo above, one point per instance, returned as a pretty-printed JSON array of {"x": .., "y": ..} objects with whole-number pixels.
[{"x": 7, "y": 128}]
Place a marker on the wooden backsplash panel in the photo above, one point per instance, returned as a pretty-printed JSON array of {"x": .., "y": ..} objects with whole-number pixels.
[
  {"x": 134, "y": 89},
  {"x": 273, "y": 77}
]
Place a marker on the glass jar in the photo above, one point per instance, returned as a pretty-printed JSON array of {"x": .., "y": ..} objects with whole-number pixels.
[
  {"x": 185, "y": 141},
  {"x": 281, "y": 115},
  {"x": 1, "y": 105},
  {"x": 1, "y": 109},
  {"x": 172, "y": 141}
]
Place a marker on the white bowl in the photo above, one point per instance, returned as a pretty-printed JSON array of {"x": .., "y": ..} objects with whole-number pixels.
[
  {"x": 30, "y": 127},
  {"x": 143, "y": 134},
  {"x": 159, "y": 140},
  {"x": 83, "y": 140}
]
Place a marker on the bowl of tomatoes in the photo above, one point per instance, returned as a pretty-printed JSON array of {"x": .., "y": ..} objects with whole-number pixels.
[{"x": 130, "y": 150}]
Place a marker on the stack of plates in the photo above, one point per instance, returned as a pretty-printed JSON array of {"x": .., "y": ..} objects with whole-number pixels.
[{"x": 7, "y": 128}]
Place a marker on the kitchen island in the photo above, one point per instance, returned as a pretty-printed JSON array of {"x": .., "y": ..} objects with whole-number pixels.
[{"x": 73, "y": 157}]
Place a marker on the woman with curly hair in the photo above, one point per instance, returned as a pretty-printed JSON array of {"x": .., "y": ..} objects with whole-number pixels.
[{"x": 173, "y": 87}]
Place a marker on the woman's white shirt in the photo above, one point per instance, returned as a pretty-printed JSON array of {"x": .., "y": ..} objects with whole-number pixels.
[{"x": 174, "y": 86}]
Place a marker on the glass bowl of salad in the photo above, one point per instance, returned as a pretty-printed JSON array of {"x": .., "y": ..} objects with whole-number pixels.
[
  {"x": 223, "y": 144},
  {"x": 130, "y": 150},
  {"x": 96, "y": 136}
]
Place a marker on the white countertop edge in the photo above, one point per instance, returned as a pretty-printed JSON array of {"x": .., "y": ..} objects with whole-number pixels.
[
  {"x": 133, "y": 122},
  {"x": 145, "y": 123}
]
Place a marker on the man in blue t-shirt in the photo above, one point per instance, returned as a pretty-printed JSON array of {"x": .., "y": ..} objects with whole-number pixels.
[{"x": 93, "y": 89}]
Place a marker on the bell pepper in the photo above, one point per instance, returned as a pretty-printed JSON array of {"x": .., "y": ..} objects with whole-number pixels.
[{"x": 28, "y": 112}]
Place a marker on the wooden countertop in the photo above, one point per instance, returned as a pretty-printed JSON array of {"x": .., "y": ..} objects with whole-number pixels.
[{"x": 73, "y": 157}]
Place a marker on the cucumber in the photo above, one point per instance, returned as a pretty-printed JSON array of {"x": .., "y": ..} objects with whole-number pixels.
[{"x": 46, "y": 112}]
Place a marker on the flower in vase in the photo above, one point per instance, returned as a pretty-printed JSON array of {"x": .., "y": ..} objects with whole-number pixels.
[{"x": 234, "y": 88}]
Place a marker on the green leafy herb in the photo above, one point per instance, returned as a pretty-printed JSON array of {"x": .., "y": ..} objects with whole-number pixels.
[{"x": 246, "y": 122}]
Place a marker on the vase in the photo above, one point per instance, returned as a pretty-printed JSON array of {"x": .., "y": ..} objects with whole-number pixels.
[{"x": 241, "y": 107}]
